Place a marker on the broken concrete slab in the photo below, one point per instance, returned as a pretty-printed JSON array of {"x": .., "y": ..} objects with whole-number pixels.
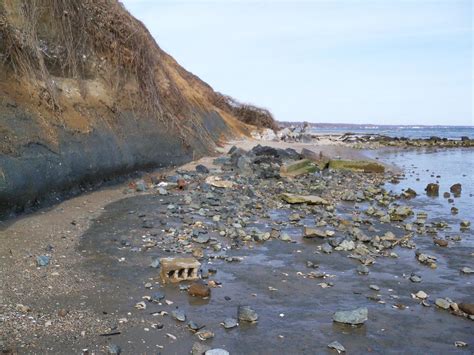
[{"x": 300, "y": 167}]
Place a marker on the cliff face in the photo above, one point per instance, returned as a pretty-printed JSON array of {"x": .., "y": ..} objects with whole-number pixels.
[{"x": 86, "y": 94}]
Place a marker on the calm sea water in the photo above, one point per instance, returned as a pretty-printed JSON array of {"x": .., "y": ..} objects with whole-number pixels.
[
  {"x": 452, "y": 132},
  {"x": 443, "y": 166}
]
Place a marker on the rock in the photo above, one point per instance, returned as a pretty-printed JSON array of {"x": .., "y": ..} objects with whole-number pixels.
[
  {"x": 199, "y": 289},
  {"x": 285, "y": 237},
  {"x": 374, "y": 287},
  {"x": 140, "y": 186},
  {"x": 217, "y": 351},
  {"x": 409, "y": 193},
  {"x": 467, "y": 270},
  {"x": 178, "y": 315},
  {"x": 346, "y": 245},
  {"x": 363, "y": 270},
  {"x": 456, "y": 189},
  {"x": 22, "y": 308},
  {"x": 230, "y": 323},
  {"x": 357, "y": 165},
  {"x": 460, "y": 344},
  {"x": 441, "y": 242},
  {"x": 42, "y": 260},
  {"x": 467, "y": 308},
  {"x": 355, "y": 317},
  {"x": 157, "y": 297},
  {"x": 326, "y": 248},
  {"x": 314, "y": 232},
  {"x": 294, "y": 217},
  {"x": 217, "y": 182},
  {"x": 246, "y": 314},
  {"x": 205, "y": 335},
  {"x": 201, "y": 169},
  {"x": 301, "y": 167},
  {"x": 62, "y": 312},
  {"x": 432, "y": 189},
  {"x": 442, "y": 303},
  {"x": 162, "y": 191},
  {"x": 114, "y": 349},
  {"x": 337, "y": 346},
  {"x": 140, "y": 305},
  {"x": 199, "y": 349},
  {"x": 465, "y": 224},
  {"x": 415, "y": 278},
  {"x": 421, "y": 295},
  {"x": 194, "y": 326},
  {"x": 155, "y": 263},
  {"x": 298, "y": 199}
]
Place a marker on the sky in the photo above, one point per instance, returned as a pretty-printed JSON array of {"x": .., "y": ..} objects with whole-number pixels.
[{"x": 335, "y": 61}]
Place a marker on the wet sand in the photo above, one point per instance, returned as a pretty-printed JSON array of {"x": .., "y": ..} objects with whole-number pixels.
[{"x": 98, "y": 281}]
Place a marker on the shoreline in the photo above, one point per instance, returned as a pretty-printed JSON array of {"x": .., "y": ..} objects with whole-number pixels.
[{"x": 76, "y": 268}]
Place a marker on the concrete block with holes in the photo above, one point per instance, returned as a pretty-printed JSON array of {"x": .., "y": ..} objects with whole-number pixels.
[{"x": 175, "y": 270}]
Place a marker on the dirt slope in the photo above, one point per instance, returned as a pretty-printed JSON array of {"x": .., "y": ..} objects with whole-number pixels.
[{"x": 86, "y": 94}]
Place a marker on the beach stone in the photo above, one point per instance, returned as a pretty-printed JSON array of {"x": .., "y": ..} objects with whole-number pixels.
[
  {"x": 199, "y": 348},
  {"x": 157, "y": 297},
  {"x": 294, "y": 217},
  {"x": 217, "y": 351},
  {"x": 247, "y": 314},
  {"x": 178, "y": 315},
  {"x": 354, "y": 317},
  {"x": 363, "y": 270},
  {"x": 205, "y": 335},
  {"x": 465, "y": 224},
  {"x": 421, "y": 295},
  {"x": 456, "y": 189},
  {"x": 374, "y": 287},
  {"x": 442, "y": 303},
  {"x": 326, "y": 248},
  {"x": 113, "y": 349},
  {"x": 42, "y": 260},
  {"x": 140, "y": 186},
  {"x": 314, "y": 232},
  {"x": 299, "y": 199},
  {"x": 441, "y": 242},
  {"x": 346, "y": 245},
  {"x": 285, "y": 237},
  {"x": 201, "y": 169},
  {"x": 230, "y": 323},
  {"x": 337, "y": 346},
  {"x": 199, "y": 289},
  {"x": 467, "y": 270},
  {"x": 467, "y": 308},
  {"x": 432, "y": 189}
]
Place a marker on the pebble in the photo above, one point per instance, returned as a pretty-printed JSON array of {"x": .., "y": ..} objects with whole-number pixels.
[
  {"x": 246, "y": 314},
  {"x": 114, "y": 349},
  {"x": 337, "y": 346},
  {"x": 230, "y": 323},
  {"x": 217, "y": 351},
  {"x": 374, "y": 287},
  {"x": 42, "y": 260},
  {"x": 467, "y": 270},
  {"x": 179, "y": 315},
  {"x": 442, "y": 303},
  {"x": 199, "y": 289}
]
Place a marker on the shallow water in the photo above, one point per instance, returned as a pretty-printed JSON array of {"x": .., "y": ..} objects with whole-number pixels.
[{"x": 445, "y": 167}]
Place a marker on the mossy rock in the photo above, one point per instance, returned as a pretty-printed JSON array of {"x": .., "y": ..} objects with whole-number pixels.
[
  {"x": 300, "y": 167},
  {"x": 365, "y": 166}
]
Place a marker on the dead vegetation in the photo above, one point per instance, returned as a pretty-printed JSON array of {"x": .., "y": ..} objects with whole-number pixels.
[{"x": 44, "y": 41}]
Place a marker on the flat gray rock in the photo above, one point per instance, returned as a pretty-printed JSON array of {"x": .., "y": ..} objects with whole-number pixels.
[{"x": 357, "y": 316}]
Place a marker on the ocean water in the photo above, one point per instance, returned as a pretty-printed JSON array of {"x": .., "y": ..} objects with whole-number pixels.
[
  {"x": 443, "y": 166},
  {"x": 451, "y": 132}
]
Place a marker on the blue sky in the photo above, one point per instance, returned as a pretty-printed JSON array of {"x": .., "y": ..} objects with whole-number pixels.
[{"x": 340, "y": 61}]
